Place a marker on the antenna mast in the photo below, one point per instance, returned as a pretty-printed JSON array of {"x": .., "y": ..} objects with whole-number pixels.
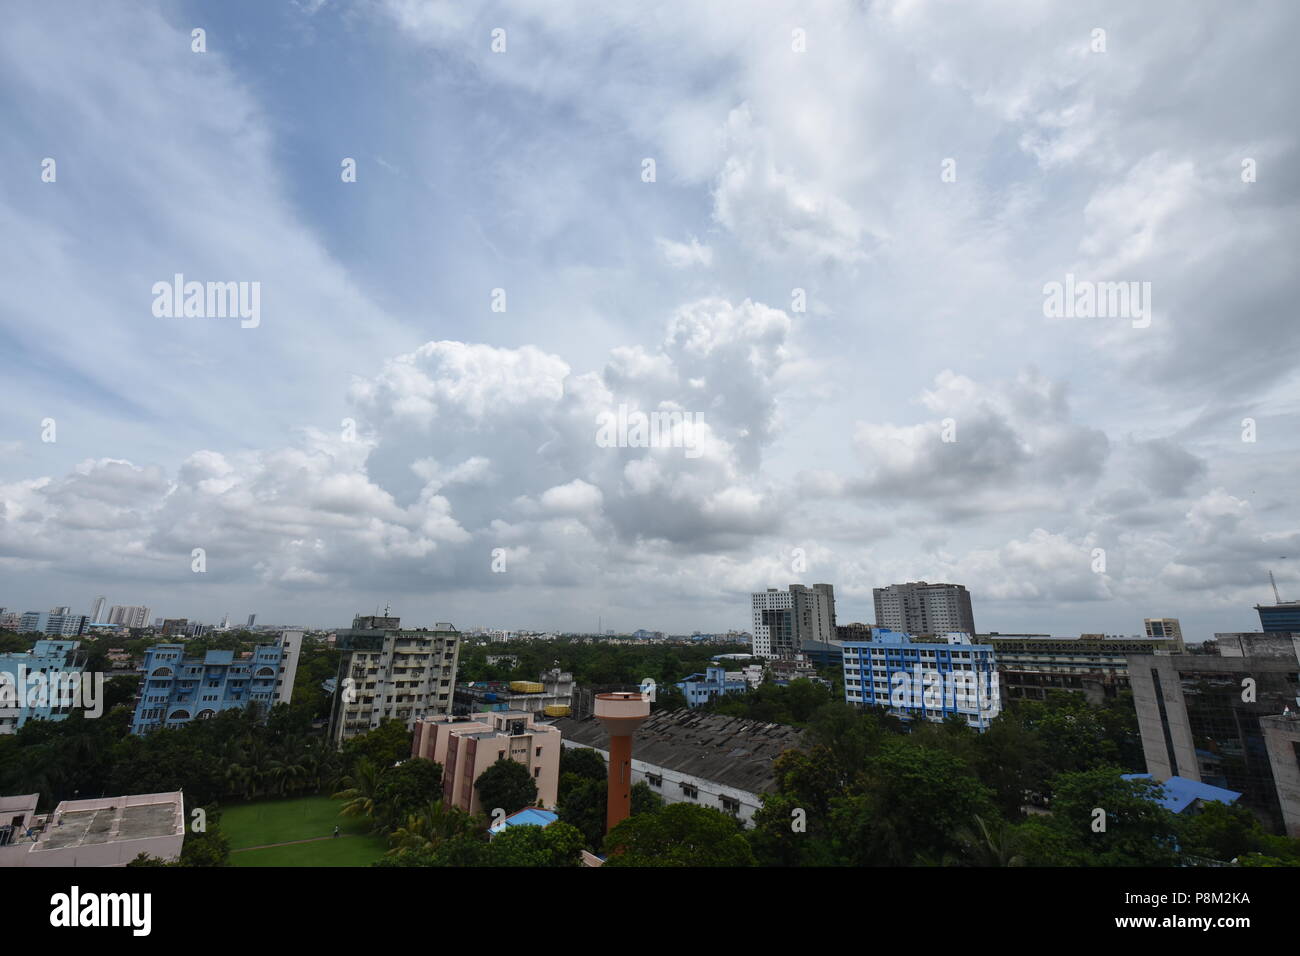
[{"x": 1276, "y": 597}]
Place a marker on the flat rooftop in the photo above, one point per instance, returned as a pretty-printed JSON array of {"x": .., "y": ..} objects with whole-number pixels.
[{"x": 106, "y": 820}]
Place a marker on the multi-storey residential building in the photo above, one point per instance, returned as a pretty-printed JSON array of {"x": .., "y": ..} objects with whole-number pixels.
[
  {"x": 175, "y": 627},
  {"x": 1095, "y": 665},
  {"x": 928, "y": 681},
  {"x": 1164, "y": 628},
  {"x": 390, "y": 673},
  {"x": 175, "y": 690},
  {"x": 466, "y": 746},
  {"x": 924, "y": 609},
  {"x": 97, "y": 610},
  {"x": 129, "y": 615},
  {"x": 1204, "y": 717},
  {"x": 57, "y": 623},
  {"x": 58, "y": 664},
  {"x": 783, "y": 620}
]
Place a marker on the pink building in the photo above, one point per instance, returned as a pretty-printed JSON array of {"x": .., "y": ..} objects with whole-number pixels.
[{"x": 466, "y": 746}]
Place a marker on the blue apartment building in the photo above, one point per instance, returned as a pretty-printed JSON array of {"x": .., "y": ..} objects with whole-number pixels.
[
  {"x": 923, "y": 681},
  {"x": 175, "y": 690},
  {"x": 50, "y": 658},
  {"x": 702, "y": 688}
]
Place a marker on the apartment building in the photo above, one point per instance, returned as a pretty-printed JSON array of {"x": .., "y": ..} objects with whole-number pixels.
[
  {"x": 129, "y": 615},
  {"x": 390, "y": 673},
  {"x": 466, "y": 746},
  {"x": 924, "y": 680},
  {"x": 924, "y": 609},
  {"x": 176, "y": 689},
  {"x": 54, "y": 664}
]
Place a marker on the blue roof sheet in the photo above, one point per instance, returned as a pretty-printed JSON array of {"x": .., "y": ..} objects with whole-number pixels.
[
  {"x": 530, "y": 817},
  {"x": 1179, "y": 793}
]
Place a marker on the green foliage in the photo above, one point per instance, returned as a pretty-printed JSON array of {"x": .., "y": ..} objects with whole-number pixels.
[
  {"x": 1138, "y": 831},
  {"x": 387, "y": 744},
  {"x": 793, "y": 704},
  {"x": 583, "y": 762},
  {"x": 681, "y": 834},
  {"x": 556, "y": 845},
  {"x": 506, "y": 785},
  {"x": 1222, "y": 832},
  {"x": 407, "y": 788}
]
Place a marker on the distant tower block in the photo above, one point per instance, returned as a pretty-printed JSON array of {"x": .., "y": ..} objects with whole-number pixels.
[{"x": 621, "y": 714}]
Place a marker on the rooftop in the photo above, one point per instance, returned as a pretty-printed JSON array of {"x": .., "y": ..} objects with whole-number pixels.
[
  {"x": 727, "y": 750},
  {"x": 110, "y": 819},
  {"x": 1180, "y": 793}
]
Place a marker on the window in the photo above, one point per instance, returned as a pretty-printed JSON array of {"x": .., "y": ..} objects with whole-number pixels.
[
  {"x": 730, "y": 805},
  {"x": 654, "y": 779},
  {"x": 689, "y": 792},
  {"x": 539, "y": 751}
]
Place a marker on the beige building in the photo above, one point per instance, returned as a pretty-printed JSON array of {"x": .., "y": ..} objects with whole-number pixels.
[
  {"x": 390, "y": 673},
  {"x": 107, "y": 831},
  {"x": 466, "y": 746}
]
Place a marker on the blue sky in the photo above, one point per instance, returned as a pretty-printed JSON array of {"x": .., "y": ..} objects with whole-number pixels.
[{"x": 776, "y": 169}]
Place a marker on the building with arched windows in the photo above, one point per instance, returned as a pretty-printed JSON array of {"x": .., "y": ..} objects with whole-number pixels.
[{"x": 175, "y": 689}]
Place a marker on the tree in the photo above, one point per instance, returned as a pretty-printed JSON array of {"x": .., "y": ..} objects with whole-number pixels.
[
  {"x": 406, "y": 788},
  {"x": 583, "y": 762},
  {"x": 644, "y": 800},
  {"x": 911, "y": 802},
  {"x": 361, "y": 792},
  {"x": 384, "y": 746},
  {"x": 506, "y": 785},
  {"x": 436, "y": 825},
  {"x": 681, "y": 834},
  {"x": 556, "y": 845},
  {"x": 583, "y": 805},
  {"x": 1131, "y": 830}
]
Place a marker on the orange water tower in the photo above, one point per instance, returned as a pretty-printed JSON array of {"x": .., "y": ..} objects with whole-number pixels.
[{"x": 621, "y": 713}]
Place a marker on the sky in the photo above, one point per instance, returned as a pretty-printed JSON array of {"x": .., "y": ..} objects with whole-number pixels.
[{"x": 824, "y": 232}]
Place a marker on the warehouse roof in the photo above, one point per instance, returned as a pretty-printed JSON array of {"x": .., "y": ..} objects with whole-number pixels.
[{"x": 727, "y": 750}]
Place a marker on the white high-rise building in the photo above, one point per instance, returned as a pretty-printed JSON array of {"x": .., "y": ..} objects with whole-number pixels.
[
  {"x": 129, "y": 615},
  {"x": 783, "y": 620},
  {"x": 97, "y": 609},
  {"x": 922, "y": 608}
]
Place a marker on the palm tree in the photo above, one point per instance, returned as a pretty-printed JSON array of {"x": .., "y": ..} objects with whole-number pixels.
[
  {"x": 431, "y": 827},
  {"x": 983, "y": 845},
  {"x": 361, "y": 790}
]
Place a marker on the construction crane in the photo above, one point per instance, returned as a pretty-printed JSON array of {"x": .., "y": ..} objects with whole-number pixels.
[{"x": 1276, "y": 597}]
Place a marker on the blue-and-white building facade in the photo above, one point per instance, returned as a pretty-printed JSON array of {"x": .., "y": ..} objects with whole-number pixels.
[
  {"x": 924, "y": 681},
  {"x": 175, "y": 690},
  {"x": 702, "y": 688},
  {"x": 49, "y": 664}
]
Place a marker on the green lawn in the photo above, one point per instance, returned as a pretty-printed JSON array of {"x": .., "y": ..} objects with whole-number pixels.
[
  {"x": 345, "y": 851},
  {"x": 305, "y": 818}
]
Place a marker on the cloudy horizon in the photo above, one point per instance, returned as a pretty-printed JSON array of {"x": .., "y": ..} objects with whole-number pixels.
[{"x": 826, "y": 231}]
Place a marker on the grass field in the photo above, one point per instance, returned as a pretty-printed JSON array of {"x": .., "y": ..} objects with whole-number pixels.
[{"x": 307, "y": 818}]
